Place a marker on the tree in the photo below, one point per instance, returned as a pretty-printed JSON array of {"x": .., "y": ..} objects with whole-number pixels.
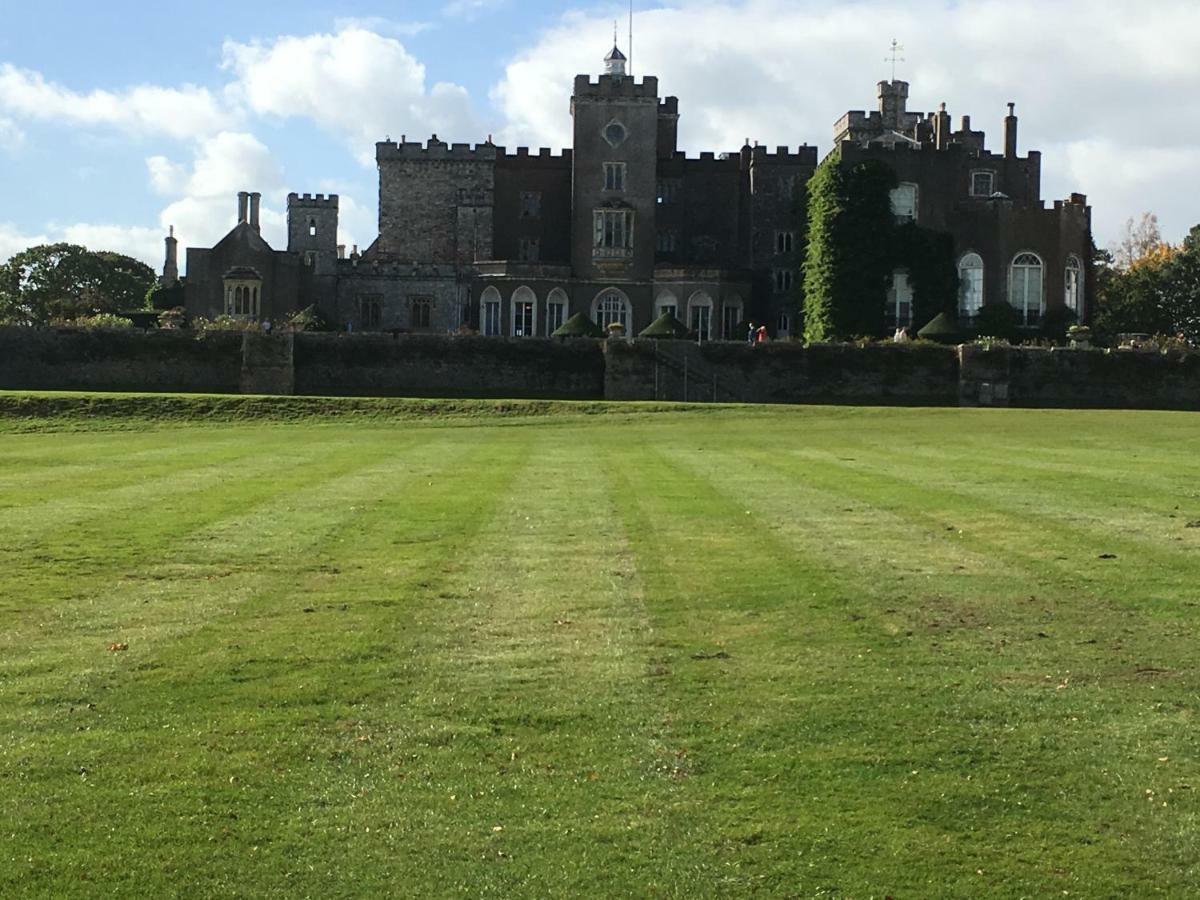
[
  {"x": 1158, "y": 292},
  {"x": 66, "y": 281},
  {"x": 1138, "y": 241}
]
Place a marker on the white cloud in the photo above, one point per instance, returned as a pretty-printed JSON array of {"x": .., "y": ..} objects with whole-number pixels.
[
  {"x": 12, "y": 138},
  {"x": 13, "y": 240},
  {"x": 144, "y": 109},
  {"x": 355, "y": 84},
  {"x": 782, "y": 71}
]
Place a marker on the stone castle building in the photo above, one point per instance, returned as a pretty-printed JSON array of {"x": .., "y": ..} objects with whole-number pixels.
[{"x": 624, "y": 226}]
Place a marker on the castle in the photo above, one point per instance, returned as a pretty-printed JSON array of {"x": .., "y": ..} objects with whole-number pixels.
[{"x": 624, "y": 227}]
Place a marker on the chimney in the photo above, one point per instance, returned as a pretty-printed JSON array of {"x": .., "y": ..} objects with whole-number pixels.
[
  {"x": 170, "y": 273},
  {"x": 255, "y": 201},
  {"x": 1010, "y": 132},
  {"x": 941, "y": 127},
  {"x": 243, "y": 206},
  {"x": 341, "y": 251}
]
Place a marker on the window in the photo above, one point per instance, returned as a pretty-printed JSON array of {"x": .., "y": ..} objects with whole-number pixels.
[
  {"x": 982, "y": 184},
  {"x": 310, "y": 258},
  {"x": 970, "y": 287},
  {"x": 312, "y": 227},
  {"x": 700, "y": 315},
  {"x": 899, "y": 300},
  {"x": 370, "y": 312},
  {"x": 1025, "y": 288},
  {"x": 613, "y": 233},
  {"x": 904, "y": 202},
  {"x": 785, "y": 325},
  {"x": 787, "y": 185},
  {"x": 528, "y": 249},
  {"x": 1072, "y": 282},
  {"x": 420, "y": 312},
  {"x": 666, "y": 303},
  {"x": 668, "y": 240},
  {"x": 667, "y": 190},
  {"x": 783, "y": 280},
  {"x": 489, "y": 312},
  {"x": 614, "y": 176},
  {"x": 784, "y": 241},
  {"x": 531, "y": 204},
  {"x": 614, "y": 133},
  {"x": 556, "y": 310},
  {"x": 524, "y": 316},
  {"x": 731, "y": 318},
  {"x": 611, "y": 307},
  {"x": 243, "y": 294}
]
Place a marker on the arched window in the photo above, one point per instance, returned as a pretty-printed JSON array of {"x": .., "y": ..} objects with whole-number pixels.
[
  {"x": 666, "y": 303},
  {"x": 556, "y": 310},
  {"x": 1025, "y": 287},
  {"x": 489, "y": 312},
  {"x": 970, "y": 287},
  {"x": 700, "y": 307},
  {"x": 243, "y": 293},
  {"x": 611, "y": 306},
  {"x": 1073, "y": 286},
  {"x": 524, "y": 312},
  {"x": 731, "y": 318},
  {"x": 899, "y": 301}
]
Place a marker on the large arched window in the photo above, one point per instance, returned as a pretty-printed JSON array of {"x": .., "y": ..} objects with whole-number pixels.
[
  {"x": 1025, "y": 287},
  {"x": 556, "y": 310},
  {"x": 609, "y": 307},
  {"x": 489, "y": 312},
  {"x": 1073, "y": 286},
  {"x": 524, "y": 312},
  {"x": 700, "y": 307},
  {"x": 243, "y": 293},
  {"x": 970, "y": 287}
]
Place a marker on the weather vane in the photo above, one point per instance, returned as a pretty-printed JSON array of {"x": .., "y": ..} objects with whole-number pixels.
[{"x": 895, "y": 57}]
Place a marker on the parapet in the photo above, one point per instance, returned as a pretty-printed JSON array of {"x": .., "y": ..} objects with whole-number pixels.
[
  {"x": 804, "y": 156},
  {"x": 434, "y": 150},
  {"x": 313, "y": 200},
  {"x": 668, "y": 106},
  {"x": 609, "y": 86}
]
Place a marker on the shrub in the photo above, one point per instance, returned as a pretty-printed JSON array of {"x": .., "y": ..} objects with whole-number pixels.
[{"x": 99, "y": 320}]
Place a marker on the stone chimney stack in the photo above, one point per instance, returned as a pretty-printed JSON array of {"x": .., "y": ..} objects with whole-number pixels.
[
  {"x": 170, "y": 272},
  {"x": 255, "y": 202},
  {"x": 941, "y": 128},
  {"x": 1010, "y": 132},
  {"x": 243, "y": 206}
]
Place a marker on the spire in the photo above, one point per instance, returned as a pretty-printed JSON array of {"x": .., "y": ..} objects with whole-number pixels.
[{"x": 614, "y": 63}]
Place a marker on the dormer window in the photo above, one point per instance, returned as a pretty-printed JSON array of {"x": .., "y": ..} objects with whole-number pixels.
[{"x": 982, "y": 184}]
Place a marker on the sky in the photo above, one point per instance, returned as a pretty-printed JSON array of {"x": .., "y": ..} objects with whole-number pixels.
[{"x": 119, "y": 119}]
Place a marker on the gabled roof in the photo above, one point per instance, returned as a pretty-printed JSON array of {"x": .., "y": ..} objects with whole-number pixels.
[{"x": 246, "y": 238}]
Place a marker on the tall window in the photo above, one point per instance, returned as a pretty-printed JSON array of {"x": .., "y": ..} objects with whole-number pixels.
[
  {"x": 531, "y": 204},
  {"x": 611, "y": 307},
  {"x": 666, "y": 303},
  {"x": 1025, "y": 288},
  {"x": 700, "y": 315},
  {"x": 529, "y": 249},
  {"x": 612, "y": 233},
  {"x": 904, "y": 202},
  {"x": 370, "y": 312},
  {"x": 970, "y": 287},
  {"x": 982, "y": 184},
  {"x": 614, "y": 176},
  {"x": 731, "y": 317},
  {"x": 783, "y": 280},
  {"x": 1072, "y": 286},
  {"x": 556, "y": 310},
  {"x": 489, "y": 312},
  {"x": 420, "y": 312},
  {"x": 524, "y": 317},
  {"x": 785, "y": 325},
  {"x": 668, "y": 240},
  {"x": 784, "y": 241},
  {"x": 667, "y": 189},
  {"x": 899, "y": 299}
]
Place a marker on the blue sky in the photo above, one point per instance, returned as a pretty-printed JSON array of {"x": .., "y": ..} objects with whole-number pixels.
[{"x": 121, "y": 118}]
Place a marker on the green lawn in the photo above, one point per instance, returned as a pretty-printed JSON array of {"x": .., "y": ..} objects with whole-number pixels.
[{"x": 789, "y": 652}]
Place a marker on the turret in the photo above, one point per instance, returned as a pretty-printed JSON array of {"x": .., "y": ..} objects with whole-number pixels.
[
  {"x": 312, "y": 230},
  {"x": 614, "y": 63}
]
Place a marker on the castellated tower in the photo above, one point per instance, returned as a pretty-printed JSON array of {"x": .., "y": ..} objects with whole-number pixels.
[
  {"x": 312, "y": 230},
  {"x": 616, "y": 135}
]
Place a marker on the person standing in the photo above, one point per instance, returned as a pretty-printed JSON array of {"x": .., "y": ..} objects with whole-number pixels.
[
  {"x": 760, "y": 336},
  {"x": 750, "y": 334}
]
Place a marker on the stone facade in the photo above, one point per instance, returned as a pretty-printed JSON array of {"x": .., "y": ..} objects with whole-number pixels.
[{"x": 623, "y": 226}]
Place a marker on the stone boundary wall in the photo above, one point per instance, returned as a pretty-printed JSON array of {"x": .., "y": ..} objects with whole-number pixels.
[{"x": 581, "y": 369}]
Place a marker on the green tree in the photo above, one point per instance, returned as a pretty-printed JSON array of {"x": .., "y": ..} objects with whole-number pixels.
[{"x": 66, "y": 281}]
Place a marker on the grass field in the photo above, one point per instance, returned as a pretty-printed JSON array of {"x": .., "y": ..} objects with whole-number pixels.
[{"x": 777, "y": 652}]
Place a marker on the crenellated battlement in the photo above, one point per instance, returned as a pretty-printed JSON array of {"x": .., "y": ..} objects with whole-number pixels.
[
  {"x": 668, "y": 106},
  {"x": 804, "y": 155},
  {"x": 434, "y": 151},
  {"x": 312, "y": 201},
  {"x": 542, "y": 153},
  {"x": 607, "y": 87}
]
